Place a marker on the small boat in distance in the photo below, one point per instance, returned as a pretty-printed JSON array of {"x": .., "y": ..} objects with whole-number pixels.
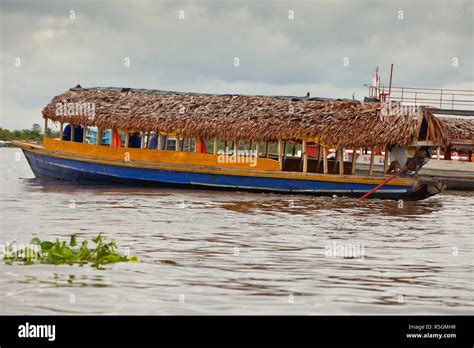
[{"x": 229, "y": 142}]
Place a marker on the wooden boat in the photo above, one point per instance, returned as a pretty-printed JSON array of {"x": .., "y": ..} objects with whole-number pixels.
[{"x": 251, "y": 123}]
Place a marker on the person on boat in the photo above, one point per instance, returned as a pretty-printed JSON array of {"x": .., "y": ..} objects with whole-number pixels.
[
  {"x": 154, "y": 141},
  {"x": 66, "y": 133},
  {"x": 135, "y": 140},
  {"x": 422, "y": 157},
  {"x": 397, "y": 158},
  {"x": 78, "y": 133},
  {"x": 201, "y": 146}
]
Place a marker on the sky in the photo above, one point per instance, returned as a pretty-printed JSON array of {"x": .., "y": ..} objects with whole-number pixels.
[{"x": 329, "y": 48}]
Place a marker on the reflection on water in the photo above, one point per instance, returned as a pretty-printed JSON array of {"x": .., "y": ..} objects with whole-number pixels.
[{"x": 205, "y": 252}]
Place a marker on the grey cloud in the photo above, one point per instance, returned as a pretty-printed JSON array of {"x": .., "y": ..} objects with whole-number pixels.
[{"x": 276, "y": 54}]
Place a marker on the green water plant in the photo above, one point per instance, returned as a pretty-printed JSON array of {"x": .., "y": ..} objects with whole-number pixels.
[{"x": 61, "y": 252}]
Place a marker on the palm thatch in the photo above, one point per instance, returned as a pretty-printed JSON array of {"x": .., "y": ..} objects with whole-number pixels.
[
  {"x": 459, "y": 129},
  {"x": 255, "y": 118}
]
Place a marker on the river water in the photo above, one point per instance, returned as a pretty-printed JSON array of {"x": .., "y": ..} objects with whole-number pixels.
[{"x": 206, "y": 252}]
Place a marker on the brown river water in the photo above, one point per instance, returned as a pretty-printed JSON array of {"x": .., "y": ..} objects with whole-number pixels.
[{"x": 207, "y": 252}]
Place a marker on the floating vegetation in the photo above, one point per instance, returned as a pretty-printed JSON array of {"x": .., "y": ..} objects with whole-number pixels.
[{"x": 61, "y": 252}]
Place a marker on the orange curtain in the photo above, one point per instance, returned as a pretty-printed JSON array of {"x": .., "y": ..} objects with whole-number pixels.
[
  {"x": 116, "y": 141},
  {"x": 201, "y": 146}
]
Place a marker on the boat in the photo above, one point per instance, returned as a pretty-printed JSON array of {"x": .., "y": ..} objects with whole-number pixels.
[{"x": 229, "y": 142}]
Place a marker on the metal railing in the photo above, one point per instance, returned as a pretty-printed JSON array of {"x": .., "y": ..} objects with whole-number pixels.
[{"x": 441, "y": 98}]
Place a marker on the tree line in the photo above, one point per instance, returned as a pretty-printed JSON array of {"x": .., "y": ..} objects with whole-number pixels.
[{"x": 35, "y": 134}]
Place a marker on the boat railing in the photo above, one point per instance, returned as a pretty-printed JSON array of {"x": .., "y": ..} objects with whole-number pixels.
[{"x": 440, "y": 98}]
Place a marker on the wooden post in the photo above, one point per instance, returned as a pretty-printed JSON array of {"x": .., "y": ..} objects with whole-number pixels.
[
  {"x": 146, "y": 139},
  {"x": 236, "y": 143},
  {"x": 305, "y": 158},
  {"x": 45, "y": 128},
  {"x": 372, "y": 156},
  {"x": 280, "y": 157},
  {"x": 438, "y": 151},
  {"x": 318, "y": 164},
  {"x": 215, "y": 146},
  {"x": 160, "y": 140},
  {"x": 385, "y": 161},
  {"x": 61, "y": 129},
  {"x": 126, "y": 137},
  {"x": 142, "y": 140},
  {"x": 176, "y": 145},
  {"x": 266, "y": 150},
  {"x": 325, "y": 160},
  {"x": 336, "y": 160},
  {"x": 284, "y": 152},
  {"x": 256, "y": 149},
  {"x": 111, "y": 138},
  {"x": 84, "y": 134},
  {"x": 341, "y": 161},
  {"x": 354, "y": 157},
  {"x": 72, "y": 131}
]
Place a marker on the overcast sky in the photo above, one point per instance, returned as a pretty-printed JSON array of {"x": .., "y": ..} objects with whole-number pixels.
[{"x": 283, "y": 47}]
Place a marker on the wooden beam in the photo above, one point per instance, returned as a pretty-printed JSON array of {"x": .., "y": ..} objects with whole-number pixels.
[
  {"x": 215, "y": 147},
  {"x": 160, "y": 140},
  {"x": 336, "y": 161},
  {"x": 61, "y": 130},
  {"x": 341, "y": 161},
  {"x": 45, "y": 128},
  {"x": 385, "y": 160},
  {"x": 305, "y": 157},
  {"x": 142, "y": 140},
  {"x": 318, "y": 164},
  {"x": 438, "y": 153},
  {"x": 266, "y": 150},
  {"x": 423, "y": 143},
  {"x": 353, "y": 164},
  {"x": 111, "y": 138},
  {"x": 372, "y": 156},
  {"x": 236, "y": 147},
  {"x": 325, "y": 160},
  {"x": 280, "y": 157},
  {"x": 84, "y": 134},
  {"x": 256, "y": 149},
  {"x": 127, "y": 136}
]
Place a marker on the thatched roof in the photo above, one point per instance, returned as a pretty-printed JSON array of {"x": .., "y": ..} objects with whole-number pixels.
[
  {"x": 256, "y": 118},
  {"x": 459, "y": 129}
]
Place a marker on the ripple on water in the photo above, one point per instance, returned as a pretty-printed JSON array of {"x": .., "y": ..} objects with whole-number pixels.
[{"x": 205, "y": 252}]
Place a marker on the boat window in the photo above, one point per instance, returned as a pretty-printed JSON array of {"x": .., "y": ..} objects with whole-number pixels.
[
  {"x": 91, "y": 135},
  {"x": 106, "y": 137},
  {"x": 170, "y": 144}
]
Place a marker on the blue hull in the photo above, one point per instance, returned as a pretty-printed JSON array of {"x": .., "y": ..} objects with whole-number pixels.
[{"x": 45, "y": 166}]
